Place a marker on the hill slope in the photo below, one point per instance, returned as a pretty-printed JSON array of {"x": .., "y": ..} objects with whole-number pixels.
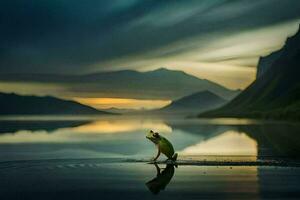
[
  {"x": 195, "y": 103},
  {"x": 274, "y": 94},
  {"x": 158, "y": 84},
  {"x": 12, "y": 104}
]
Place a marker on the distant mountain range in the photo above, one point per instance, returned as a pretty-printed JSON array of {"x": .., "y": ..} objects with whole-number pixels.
[
  {"x": 195, "y": 103},
  {"x": 276, "y": 91},
  {"x": 122, "y": 110},
  {"x": 13, "y": 104},
  {"x": 158, "y": 84}
]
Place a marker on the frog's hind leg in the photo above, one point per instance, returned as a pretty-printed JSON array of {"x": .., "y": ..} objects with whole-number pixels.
[{"x": 172, "y": 160}]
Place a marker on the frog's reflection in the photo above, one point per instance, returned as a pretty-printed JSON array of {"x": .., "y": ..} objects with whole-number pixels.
[{"x": 162, "y": 179}]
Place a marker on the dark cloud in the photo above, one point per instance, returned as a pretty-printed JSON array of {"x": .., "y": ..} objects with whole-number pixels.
[{"x": 64, "y": 36}]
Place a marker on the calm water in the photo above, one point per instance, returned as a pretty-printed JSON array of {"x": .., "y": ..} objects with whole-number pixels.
[{"x": 106, "y": 158}]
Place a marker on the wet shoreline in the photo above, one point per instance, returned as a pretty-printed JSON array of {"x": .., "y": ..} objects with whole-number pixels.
[{"x": 99, "y": 161}]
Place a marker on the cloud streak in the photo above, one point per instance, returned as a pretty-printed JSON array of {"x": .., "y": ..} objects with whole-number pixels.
[{"x": 60, "y": 36}]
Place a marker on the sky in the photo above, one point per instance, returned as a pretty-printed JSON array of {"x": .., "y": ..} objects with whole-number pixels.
[{"x": 219, "y": 40}]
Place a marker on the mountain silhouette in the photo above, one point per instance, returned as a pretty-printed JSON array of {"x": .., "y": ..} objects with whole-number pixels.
[
  {"x": 276, "y": 91},
  {"x": 157, "y": 84},
  {"x": 13, "y": 104},
  {"x": 195, "y": 103},
  {"x": 266, "y": 62}
]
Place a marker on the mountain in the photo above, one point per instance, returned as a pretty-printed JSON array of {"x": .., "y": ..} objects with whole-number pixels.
[
  {"x": 13, "y": 104},
  {"x": 121, "y": 110},
  {"x": 266, "y": 62},
  {"x": 158, "y": 84},
  {"x": 275, "y": 93},
  {"x": 195, "y": 103}
]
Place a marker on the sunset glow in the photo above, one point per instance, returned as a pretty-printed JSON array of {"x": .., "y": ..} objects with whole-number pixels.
[
  {"x": 122, "y": 103},
  {"x": 120, "y": 126}
]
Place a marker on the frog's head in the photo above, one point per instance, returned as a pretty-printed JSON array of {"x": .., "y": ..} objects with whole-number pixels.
[{"x": 154, "y": 137}]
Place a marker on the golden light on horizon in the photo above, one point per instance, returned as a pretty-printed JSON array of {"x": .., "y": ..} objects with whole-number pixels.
[{"x": 122, "y": 103}]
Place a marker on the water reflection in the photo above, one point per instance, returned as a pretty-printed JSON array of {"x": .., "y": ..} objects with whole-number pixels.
[
  {"x": 227, "y": 143},
  {"x": 275, "y": 140},
  {"x": 162, "y": 178},
  {"x": 125, "y": 137},
  {"x": 123, "y": 125},
  {"x": 12, "y": 126},
  {"x": 45, "y": 148}
]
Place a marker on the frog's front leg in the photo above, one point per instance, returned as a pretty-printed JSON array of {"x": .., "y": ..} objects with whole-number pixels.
[{"x": 158, "y": 154}]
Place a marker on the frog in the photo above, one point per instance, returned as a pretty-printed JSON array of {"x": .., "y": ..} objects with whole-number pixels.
[{"x": 163, "y": 146}]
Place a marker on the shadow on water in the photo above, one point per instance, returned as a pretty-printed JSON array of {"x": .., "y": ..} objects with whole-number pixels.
[{"x": 162, "y": 178}]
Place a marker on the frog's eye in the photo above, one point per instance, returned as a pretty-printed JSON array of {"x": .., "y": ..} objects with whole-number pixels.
[
  {"x": 151, "y": 131},
  {"x": 156, "y": 135}
]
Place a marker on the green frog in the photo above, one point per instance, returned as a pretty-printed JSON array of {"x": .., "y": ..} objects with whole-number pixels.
[{"x": 163, "y": 145}]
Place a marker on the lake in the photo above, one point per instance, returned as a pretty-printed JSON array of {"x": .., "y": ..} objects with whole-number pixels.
[{"x": 107, "y": 157}]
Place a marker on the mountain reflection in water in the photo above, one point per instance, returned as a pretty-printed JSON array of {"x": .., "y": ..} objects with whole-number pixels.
[{"x": 124, "y": 137}]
